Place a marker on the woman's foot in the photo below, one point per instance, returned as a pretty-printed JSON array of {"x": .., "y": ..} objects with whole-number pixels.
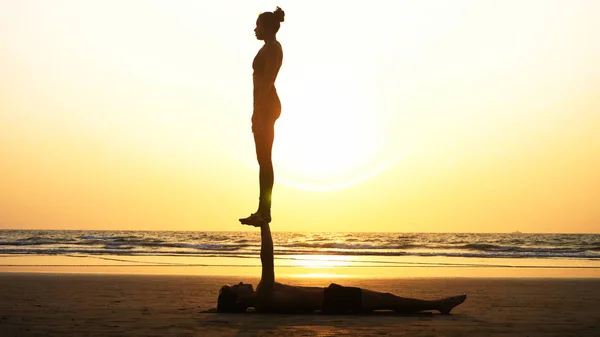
[
  {"x": 266, "y": 216},
  {"x": 255, "y": 219}
]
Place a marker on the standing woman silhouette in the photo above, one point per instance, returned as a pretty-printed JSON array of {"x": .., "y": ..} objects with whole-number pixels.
[{"x": 267, "y": 109}]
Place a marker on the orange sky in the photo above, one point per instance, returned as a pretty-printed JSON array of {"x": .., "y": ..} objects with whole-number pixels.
[{"x": 435, "y": 116}]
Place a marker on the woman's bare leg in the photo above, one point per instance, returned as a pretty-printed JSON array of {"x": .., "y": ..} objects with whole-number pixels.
[{"x": 263, "y": 140}]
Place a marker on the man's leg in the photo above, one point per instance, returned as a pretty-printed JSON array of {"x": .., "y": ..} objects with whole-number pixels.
[
  {"x": 372, "y": 300},
  {"x": 267, "y": 258}
]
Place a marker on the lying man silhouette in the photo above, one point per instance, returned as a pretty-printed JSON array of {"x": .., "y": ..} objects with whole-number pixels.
[{"x": 273, "y": 297}]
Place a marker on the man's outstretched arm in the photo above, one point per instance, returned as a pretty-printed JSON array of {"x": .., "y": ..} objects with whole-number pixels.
[{"x": 266, "y": 256}]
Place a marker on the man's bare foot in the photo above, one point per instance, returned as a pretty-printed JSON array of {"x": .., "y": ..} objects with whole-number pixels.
[
  {"x": 255, "y": 219},
  {"x": 447, "y": 304}
]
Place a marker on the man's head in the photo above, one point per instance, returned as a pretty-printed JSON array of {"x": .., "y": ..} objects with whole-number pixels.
[
  {"x": 235, "y": 298},
  {"x": 268, "y": 23}
]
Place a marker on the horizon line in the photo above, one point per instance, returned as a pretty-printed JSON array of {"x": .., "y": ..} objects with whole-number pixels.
[{"x": 289, "y": 231}]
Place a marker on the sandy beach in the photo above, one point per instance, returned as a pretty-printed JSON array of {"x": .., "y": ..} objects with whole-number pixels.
[{"x": 35, "y": 304}]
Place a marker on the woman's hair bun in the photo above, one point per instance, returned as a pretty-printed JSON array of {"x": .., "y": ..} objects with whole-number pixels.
[{"x": 279, "y": 14}]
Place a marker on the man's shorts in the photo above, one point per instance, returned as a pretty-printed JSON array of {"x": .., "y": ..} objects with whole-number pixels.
[{"x": 338, "y": 299}]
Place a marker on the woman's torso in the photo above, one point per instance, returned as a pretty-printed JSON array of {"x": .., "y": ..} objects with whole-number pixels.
[{"x": 271, "y": 99}]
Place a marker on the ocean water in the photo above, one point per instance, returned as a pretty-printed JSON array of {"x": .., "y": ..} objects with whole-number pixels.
[{"x": 247, "y": 244}]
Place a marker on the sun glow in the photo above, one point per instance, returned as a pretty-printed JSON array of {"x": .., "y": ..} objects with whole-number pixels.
[{"x": 329, "y": 135}]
